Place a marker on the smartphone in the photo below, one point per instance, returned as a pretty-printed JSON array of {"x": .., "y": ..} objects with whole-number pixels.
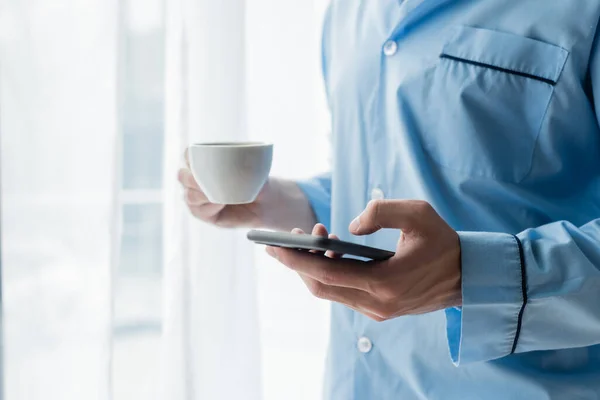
[{"x": 310, "y": 242}]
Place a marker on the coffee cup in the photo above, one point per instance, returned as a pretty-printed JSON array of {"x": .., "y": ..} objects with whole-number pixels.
[{"x": 231, "y": 172}]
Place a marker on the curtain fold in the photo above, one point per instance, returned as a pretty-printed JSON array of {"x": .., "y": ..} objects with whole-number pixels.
[
  {"x": 236, "y": 324},
  {"x": 210, "y": 339}
]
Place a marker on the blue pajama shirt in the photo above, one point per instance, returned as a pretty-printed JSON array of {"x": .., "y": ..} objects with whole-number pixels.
[{"x": 488, "y": 110}]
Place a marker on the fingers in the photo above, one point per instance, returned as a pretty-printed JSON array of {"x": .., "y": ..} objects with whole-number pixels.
[
  {"x": 200, "y": 206},
  {"x": 332, "y": 272},
  {"x": 373, "y": 316},
  {"x": 186, "y": 157},
  {"x": 319, "y": 230},
  {"x": 356, "y": 299},
  {"x": 398, "y": 214},
  {"x": 331, "y": 253},
  {"x": 206, "y": 212},
  {"x": 196, "y": 200},
  {"x": 193, "y": 194},
  {"x": 186, "y": 178},
  {"x": 194, "y": 197}
]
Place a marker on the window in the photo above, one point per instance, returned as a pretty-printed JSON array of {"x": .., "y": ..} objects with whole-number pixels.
[
  {"x": 138, "y": 281},
  {"x": 80, "y": 319}
]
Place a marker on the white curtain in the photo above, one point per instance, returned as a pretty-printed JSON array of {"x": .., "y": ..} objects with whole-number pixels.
[
  {"x": 234, "y": 324},
  {"x": 239, "y": 326},
  {"x": 59, "y": 130},
  {"x": 210, "y": 316}
]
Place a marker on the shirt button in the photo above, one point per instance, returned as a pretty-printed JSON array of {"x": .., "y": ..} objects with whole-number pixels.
[
  {"x": 377, "y": 194},
  {"x": 364, "y": 345},
  {"x": 390, "y": 48}
]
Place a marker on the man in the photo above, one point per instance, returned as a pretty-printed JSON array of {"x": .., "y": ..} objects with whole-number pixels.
[{"x": 472, "y": 127}]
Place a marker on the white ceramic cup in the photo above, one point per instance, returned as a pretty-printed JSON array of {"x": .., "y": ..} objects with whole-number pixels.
[{"x": 231, "y": 173}]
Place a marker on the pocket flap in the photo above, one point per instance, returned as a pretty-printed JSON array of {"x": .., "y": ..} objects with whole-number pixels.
[{"x": 507, "y": 51}]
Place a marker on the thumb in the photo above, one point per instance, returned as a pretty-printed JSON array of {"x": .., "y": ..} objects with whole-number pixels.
[
  {"x": 396, "y": 214},
  {"x": 186, "y": 156}
]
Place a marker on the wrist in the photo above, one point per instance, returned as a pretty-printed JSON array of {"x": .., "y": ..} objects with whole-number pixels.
[
  {"x": 260, "y": 206},
  {"x": 455, "y": 293},
  {"x": 283, "y": 206},
  {"x": 450, "y": 287}
]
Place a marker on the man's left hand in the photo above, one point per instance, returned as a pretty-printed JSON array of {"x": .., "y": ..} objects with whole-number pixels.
[{"x": 423, "y": 276}]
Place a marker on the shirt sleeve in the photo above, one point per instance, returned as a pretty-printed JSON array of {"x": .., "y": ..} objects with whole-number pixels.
[
  {"x": 318, "y": 192},
  {"x": 538, "y": 290}
]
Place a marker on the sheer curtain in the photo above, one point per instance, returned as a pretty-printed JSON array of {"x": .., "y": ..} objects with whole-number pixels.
[
  {"x": 210, "y": 318},
  {"x": 236, "y": 324},
  {"x": 111, "y": 290},
  {"x": 59, "y": 128}
]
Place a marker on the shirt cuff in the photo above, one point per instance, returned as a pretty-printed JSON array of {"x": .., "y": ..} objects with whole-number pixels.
[
  {"x": 487, "y": 325},
  {"x": 317, "y": 191}
]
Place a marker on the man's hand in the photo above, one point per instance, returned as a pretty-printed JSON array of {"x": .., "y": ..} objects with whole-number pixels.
[
  {"x": 423, "y": 276},
  {"x": 218, "y": 214},
  {"x": 280, "y": 205}
]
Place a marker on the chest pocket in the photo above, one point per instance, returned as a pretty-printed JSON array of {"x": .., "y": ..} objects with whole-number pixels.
[{"x": 480, "y": 108}]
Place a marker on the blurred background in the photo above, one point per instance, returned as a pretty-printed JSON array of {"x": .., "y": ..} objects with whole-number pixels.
[{"x": 92, "y": 95}]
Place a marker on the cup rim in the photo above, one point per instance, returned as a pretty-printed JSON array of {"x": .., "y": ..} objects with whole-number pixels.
[{"x": 232, "y": 144}]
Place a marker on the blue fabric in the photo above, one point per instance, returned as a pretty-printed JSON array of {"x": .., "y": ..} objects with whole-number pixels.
[
  {"x": 318, "y": 192},
  {"x": 489, "y": 111}
]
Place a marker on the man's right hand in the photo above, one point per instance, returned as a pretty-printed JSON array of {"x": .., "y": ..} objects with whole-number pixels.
[
  {"x": 227, "y": 216},
  {"x": 280, "y": 205}
]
